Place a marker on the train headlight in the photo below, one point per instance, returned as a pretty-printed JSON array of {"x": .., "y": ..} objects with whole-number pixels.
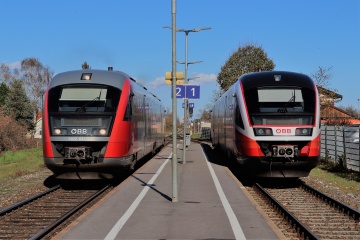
[
  {"x": 99, "y": 131},
  {"x": 263, "y": 132},
  {"x": 303, "y": 131},
  {"x": 60, "y": 131},
  {"x": 86, "y": 76}
]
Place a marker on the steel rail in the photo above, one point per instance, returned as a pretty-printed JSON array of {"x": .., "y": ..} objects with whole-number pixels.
[
  {"x": 55, "y": 224},
  {"x": 333, "y": 202},
  {"x": 301, "y": 228},
  {"x": 8, "y": 209}
]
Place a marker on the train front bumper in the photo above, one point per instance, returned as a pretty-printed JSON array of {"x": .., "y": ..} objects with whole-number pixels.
[
  {"x": 108, "y": 168},
  {"x": 260, "y": 167}
]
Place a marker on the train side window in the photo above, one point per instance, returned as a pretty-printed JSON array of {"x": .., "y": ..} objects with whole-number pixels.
[
  {"x": 252, "y": 100},
  {"x": 238, "y": 119},
  {"x": 128, "y": 111}
]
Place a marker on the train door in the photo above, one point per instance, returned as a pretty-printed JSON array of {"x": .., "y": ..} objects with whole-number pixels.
[
  {"x": 220, "y": 125},
  {"x": 145, "y": 133},
  {"x": 225, "y": 122}
]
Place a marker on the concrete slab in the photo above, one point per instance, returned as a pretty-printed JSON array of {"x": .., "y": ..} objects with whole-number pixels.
[{"x": 137, "y": 209}]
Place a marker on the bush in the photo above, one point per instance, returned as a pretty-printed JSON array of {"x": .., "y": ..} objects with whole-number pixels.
[{"x": 13, "y": 135}]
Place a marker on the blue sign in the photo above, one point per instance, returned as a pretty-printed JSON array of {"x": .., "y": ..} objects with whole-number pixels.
[
  {"x": 192, "y": 91},
  {"x": 187, "y": 91},
  {"x": 191, "y": 105},
  {"x": 180, "y": 91}
]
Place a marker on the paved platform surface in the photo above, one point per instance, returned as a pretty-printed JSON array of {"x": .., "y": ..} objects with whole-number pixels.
[{"x": 211, "y": 204}]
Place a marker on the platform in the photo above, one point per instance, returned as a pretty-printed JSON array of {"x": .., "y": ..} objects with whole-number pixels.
[{"x": 211, "y": 204}]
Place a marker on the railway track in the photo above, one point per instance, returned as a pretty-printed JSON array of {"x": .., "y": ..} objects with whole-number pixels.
[
  {"x": 37, "y": 216},
  {"x": 303, "y": 212}
]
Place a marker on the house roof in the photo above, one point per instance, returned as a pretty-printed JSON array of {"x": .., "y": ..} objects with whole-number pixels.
[
  {"x": 325, "y": 106},
  {"x": 329, "y": 93}
]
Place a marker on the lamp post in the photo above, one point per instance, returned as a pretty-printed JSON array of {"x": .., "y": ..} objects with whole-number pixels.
[
  {"x": 173, "y": 78},
  {"x": 186, "y": 101},
  {"x": 186, "y": 78},
  {"x": 358, "y": 109}
]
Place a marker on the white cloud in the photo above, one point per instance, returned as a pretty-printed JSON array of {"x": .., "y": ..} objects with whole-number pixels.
[
  {"x": 202, "y": 78},
  {"x": 158, "y": 81}
]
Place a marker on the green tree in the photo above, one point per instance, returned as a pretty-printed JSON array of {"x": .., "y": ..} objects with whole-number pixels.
[
  {"x": 85, "y": 65},
  {"x": 246, "y": 59},
  {"x": 18, "y": 106},
  {"x": 3, "y": 93}
]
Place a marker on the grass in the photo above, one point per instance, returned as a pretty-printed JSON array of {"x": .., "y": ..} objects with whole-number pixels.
[
  {"x": 15, "y": 164},
  {"x": 344, "y": 180},
  {"x": 196, "y": 135}
]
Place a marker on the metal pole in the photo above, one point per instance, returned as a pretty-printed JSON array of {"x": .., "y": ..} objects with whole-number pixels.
[
  {"x": 173, "y": 78},
  {"x": 185, "y": 99}
]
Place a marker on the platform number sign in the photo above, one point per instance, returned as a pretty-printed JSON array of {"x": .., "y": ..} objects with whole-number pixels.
[
  {"x": 188, "y": 91},
  {"x": 180, "y": 91},
  {"x": 192, "y": 91}
]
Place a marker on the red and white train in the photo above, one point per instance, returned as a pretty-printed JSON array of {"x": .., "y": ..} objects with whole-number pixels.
[
  {"x": 96, "y": 122},
  {"x": 270, "y": 123}
]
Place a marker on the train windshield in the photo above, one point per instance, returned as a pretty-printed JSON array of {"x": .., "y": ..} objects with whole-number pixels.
[
  {"x": 84, "y": 99},
  {"x": 281, "y": 106},
  {"x": 82, "y": 110}
]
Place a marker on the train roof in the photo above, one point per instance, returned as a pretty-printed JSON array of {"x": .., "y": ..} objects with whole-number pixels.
[
  {"x": 111, "y": 78},
  {"x": 276, "y": 78}
]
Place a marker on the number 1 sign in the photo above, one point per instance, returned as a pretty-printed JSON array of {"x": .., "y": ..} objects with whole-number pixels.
[{"x": 192, "y": 91}]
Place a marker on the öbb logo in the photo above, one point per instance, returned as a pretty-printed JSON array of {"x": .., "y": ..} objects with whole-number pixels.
[
  {"x": 78, "y": 131},
  {"x": 283, "y": 130}
]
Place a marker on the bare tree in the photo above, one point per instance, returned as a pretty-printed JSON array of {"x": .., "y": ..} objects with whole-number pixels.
[
  {"x": 36, "y": 77},
  {"x": 6, "y": 75},
  {"x": 322, "y": 79},
  {"x": 322, "y": 76}
]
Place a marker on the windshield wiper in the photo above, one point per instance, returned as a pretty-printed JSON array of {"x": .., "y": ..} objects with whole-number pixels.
[
  {"x": 83, "y": 108},
  {"x": 284, "y": 108}
]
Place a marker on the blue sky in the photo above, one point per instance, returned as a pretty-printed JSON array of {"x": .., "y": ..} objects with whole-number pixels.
[{"x": 128, "y": 35}]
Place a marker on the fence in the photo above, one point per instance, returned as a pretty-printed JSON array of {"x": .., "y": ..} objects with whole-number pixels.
[
  {"x": 336, "y": 146},
  {"x": 206, "y": 132}
]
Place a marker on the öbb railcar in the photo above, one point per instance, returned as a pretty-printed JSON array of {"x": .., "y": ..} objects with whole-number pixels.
[
  {"x": 269, "y": 122},
  {"x": 98, "y": 122}
]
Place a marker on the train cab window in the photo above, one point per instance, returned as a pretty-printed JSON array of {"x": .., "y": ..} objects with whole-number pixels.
[
  {"x": 84, "y": 110},
  {"x": 287, "y": 105},
  {"x": 83, "y": 99},
  {"x": 280, "y": 100}
]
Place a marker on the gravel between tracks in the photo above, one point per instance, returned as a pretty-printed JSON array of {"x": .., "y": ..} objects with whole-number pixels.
[
  {"x": 22, "y": 187},
  {"x": 331, "y": 189},
  {"x": 17, "y": 189}
]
